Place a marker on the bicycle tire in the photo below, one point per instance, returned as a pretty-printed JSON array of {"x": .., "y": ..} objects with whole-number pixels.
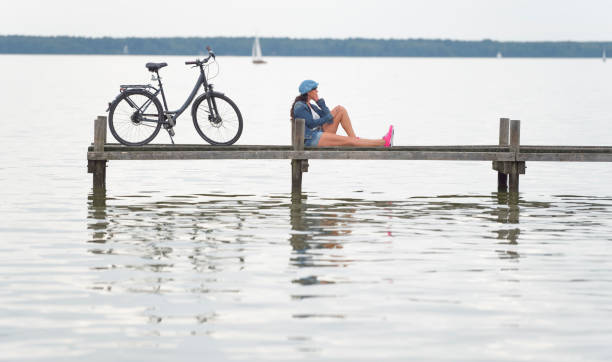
[
  {"x": 130, "y": 125},
  {"x": 221, "y": 128}
]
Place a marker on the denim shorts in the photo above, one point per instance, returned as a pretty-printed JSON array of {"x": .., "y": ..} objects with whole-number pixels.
[{"x": 314, "y": 141}]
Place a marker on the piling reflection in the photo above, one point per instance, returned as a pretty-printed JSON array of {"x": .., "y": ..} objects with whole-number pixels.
[
  {"x": 97, "y": 215},
  {"x": 315, "y": 227},
  {"x": 507, "y": 212}
]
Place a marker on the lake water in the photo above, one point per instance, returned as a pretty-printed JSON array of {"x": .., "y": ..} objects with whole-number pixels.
[{"x": 393, "y": 260}]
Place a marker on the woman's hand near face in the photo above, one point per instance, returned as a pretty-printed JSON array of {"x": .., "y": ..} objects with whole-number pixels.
[{"x": 314, "y": 94}]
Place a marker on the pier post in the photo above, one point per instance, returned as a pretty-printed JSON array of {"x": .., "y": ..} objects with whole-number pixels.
[
  {"x": 504, "y": 130},
  {"x": 297, "y": 165},
  {"x": 98, "y": 167},
  {"x": 515, "y": 143}
]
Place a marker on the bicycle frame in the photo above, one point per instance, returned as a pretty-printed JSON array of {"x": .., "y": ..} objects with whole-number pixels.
[
  {"x": 201, "y": 81},
  {"x": 171, "y": 116}
]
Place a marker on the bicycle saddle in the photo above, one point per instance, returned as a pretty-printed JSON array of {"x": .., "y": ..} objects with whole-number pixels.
[{"x": 155, "y": 66}]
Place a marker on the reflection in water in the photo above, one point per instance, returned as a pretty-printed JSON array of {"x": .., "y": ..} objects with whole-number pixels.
[
  {"x": 149, "y": 231},
  {"x": 508, "y": 213},
  {"x": 97, "y": 212},
  {"x": 318, "y": 227},
  {"x": 211, "y": 230},
  {"x": 213, "y": 263}
]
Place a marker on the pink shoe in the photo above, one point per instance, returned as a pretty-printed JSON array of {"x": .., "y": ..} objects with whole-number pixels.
[{"x": 389, "y": 137}]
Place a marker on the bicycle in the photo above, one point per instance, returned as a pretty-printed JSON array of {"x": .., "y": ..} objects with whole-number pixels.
[{"x": 136, "y": 114}]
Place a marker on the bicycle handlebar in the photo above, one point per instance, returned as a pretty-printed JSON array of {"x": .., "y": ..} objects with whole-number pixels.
[{"x": 203, "y": 61}]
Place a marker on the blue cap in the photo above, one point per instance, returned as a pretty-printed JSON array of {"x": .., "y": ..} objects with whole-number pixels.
[{"x": 307, "y": 85}]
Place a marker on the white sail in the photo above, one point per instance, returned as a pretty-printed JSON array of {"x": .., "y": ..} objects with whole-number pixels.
[
  {"x": 256, "y": 52},
  {"x": 603, "y": 55}
]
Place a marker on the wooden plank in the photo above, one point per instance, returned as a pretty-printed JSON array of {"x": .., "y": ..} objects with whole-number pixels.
[
  {"x": 478, "y": 148},
  {"x": 302, "y": 155},
  {"x": 457, "y": 148},
  {"x": 566, "y": 157},
  {"x": 566, "y": 149},
  {"x": 350, "y": 155}
]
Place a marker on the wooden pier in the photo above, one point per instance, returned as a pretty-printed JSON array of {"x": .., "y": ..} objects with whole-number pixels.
[{"x": 508, "y": 156}]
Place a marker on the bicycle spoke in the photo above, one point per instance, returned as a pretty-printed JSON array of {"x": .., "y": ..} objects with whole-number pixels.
[{"x": 130, "y": 124}]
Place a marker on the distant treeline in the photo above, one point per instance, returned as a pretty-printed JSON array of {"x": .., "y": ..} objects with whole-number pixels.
[{"x": 16, "y": 44}]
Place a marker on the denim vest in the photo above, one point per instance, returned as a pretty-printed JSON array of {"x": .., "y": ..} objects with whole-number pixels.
[{"x": 301, "y": 110}]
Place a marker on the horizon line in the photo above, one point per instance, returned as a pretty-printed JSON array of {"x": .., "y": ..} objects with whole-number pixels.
[{"x": 301, "y": 38}]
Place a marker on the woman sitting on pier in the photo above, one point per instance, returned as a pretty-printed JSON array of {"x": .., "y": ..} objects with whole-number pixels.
[{"x": 322, "y": 124}]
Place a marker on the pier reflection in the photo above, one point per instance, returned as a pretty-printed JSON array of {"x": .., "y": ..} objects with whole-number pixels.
[
  {"x": 97, "y": 217},
  {"x": 507, "y": 213},
  {"x": 167, "y": 236},
  {"x": 318, "y": 227}
]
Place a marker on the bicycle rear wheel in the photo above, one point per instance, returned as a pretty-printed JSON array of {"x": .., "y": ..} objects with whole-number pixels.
[
  {"x": 135, "y": 117},
  {"x": 217, "y": 119}
]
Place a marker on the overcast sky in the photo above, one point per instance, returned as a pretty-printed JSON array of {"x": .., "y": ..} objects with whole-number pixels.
[{"x": 451, "y": 19}]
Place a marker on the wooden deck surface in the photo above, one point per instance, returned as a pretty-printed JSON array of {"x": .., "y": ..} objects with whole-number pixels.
[{"x": 458, "y": 153}]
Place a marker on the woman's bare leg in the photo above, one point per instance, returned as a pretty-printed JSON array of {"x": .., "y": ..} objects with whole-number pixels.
[
  {"x": 330, "y": 139},
  {"x": 341, "y": 117}
]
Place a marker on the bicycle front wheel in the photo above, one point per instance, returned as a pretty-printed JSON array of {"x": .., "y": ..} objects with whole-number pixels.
[
  {"x": 217, "y": 119},
  {"x": 135, "y": 117}
]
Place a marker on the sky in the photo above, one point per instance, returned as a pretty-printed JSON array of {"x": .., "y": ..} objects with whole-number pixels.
[{"x": 505, "y": 20}]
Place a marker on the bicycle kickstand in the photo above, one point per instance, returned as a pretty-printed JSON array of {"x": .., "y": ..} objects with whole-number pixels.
[
  {"x": 169, "y": 125},
  {"x": 170, "y": 133}
]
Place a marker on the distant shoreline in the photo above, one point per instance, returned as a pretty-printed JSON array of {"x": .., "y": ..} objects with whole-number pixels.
[{"x": 352, "y": 47}]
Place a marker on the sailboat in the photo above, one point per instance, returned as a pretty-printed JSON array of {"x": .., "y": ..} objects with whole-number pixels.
[
  {"x": 603, "y": 55},
  {"x": 499, "y": 55},
  {"x": 256, "y": 52}
]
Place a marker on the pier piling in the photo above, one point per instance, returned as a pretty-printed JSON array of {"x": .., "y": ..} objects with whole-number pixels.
[
  {"x": 297, "y": 165},
  {"x": 504, "y": 134},
  {"x": 515, "y": 144},
  {"x": 508, "y": 171},
  {"x": 98, "y": 167}
]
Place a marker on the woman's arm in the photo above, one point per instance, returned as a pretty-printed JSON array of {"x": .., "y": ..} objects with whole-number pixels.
[
  {"x": 301, "y": 110},
  {"x": 323, "y": 111},
  {"x": 322, "y": 105}
]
